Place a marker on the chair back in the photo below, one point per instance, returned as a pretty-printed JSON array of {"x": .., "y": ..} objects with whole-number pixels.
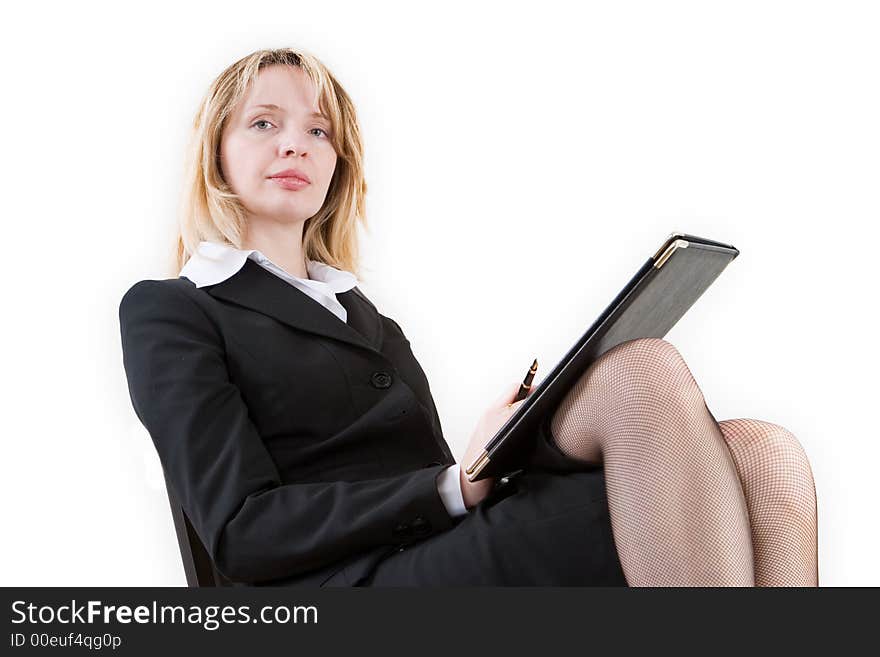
[{"x": 197, "y": 563}]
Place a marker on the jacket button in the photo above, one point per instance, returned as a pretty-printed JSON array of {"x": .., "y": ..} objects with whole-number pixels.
[
  {"x": 402, "y": 530},
  {"x": 380, "y": 379},
  {"x": 421, "y": 526}
]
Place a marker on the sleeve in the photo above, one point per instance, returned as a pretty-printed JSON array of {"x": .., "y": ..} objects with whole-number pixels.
[
  {"x": 449, "y": 487},
  {"x": 254, "y": 527}
]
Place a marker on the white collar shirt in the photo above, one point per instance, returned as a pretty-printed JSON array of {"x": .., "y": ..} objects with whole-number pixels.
[{"x": 214, "y": 262}]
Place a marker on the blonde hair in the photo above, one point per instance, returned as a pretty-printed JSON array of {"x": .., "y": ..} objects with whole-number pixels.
[{"x": 210, "y": 210}]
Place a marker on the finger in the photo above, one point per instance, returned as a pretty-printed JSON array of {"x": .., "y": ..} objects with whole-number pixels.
[
  {"x": 508, "y": 395},
  {"x": 513, "y": 390}
]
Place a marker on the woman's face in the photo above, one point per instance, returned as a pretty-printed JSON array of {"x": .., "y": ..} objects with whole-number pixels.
[{"x": 259, "y": 142}]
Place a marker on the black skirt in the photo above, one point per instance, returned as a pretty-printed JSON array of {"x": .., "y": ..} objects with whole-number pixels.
[{"x": 547, "y": 526}]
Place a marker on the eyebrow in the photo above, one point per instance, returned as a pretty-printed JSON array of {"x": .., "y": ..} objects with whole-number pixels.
[{"x": 276, "y": 107}]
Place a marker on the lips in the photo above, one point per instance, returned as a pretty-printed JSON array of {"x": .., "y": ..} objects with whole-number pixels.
[
  {"x": 292, "y": 173},
  {"x": 289, "y": 182}
]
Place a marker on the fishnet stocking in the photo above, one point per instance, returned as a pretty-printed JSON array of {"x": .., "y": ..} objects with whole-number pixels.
[
  {"x": 781, "y": 497},
  {"x": 678, "y": 512}
]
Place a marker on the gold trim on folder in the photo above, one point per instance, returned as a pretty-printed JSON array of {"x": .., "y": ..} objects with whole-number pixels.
[
  {"x": 664, "y": 245},
  {"x": 677, "y": 244},
  {"x": 478, "y": 463}
]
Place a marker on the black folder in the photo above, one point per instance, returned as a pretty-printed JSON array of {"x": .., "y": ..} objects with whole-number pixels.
[{"x": 649, "y": 305}]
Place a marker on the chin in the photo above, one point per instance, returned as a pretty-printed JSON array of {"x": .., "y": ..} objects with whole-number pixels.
[{"x": 290, "y": 216}]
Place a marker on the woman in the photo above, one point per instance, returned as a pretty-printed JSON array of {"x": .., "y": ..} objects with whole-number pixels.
[{"x": 299, "y": 433}]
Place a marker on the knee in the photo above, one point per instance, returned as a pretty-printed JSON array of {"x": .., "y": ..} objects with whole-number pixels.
[
  {"x": 766, "y": 449},
  {"x": 762, "y": 437},
  {"x": 652, "y": 368},
  {"x": 635, "y": 382}
]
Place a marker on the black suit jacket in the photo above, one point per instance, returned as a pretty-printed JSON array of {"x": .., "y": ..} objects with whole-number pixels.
[{"x": 297, "y": 443}]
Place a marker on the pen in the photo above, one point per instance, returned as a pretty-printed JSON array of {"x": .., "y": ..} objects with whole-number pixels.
[{"x": 526, "y": 385}]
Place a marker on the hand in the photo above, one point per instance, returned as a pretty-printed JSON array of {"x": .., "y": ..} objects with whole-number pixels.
[{"x": 491, "y": 421}]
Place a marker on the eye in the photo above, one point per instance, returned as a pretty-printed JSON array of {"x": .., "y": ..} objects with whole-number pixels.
[
  {"x": 260, "y": 121},
  {"x": 255, "y": 123}
]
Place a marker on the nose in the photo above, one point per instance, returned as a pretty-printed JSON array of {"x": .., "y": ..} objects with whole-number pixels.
[{"x": 290, "y": 145}]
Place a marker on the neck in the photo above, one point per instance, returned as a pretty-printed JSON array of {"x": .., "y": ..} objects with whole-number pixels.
[{"x": 281, "y": 243}]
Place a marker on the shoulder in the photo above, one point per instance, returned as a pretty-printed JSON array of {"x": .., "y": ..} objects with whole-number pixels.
[
  {"x": 363, "y": 296},
  {"x": 390, "y": 327},
  {"x": 168, "y": 287},
  {"x": 386, "y": 321},
  {"x": 158, "y": 297}
]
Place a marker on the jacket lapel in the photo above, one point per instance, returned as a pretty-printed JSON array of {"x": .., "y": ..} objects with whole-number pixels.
[
  {"x": 255, "y": 288},
  {"x": 362, "y": 316}
]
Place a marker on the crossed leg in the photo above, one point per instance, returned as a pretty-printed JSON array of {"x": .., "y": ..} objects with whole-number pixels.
[
  {"x": 781, "y": 497},
  {"x": 679, "y": 513}
]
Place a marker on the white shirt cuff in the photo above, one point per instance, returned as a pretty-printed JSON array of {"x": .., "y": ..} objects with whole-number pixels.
[{"x": 449, "y": 487}]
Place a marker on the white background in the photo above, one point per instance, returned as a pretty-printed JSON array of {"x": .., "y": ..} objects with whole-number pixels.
[{"x": 523, "y": 160}]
